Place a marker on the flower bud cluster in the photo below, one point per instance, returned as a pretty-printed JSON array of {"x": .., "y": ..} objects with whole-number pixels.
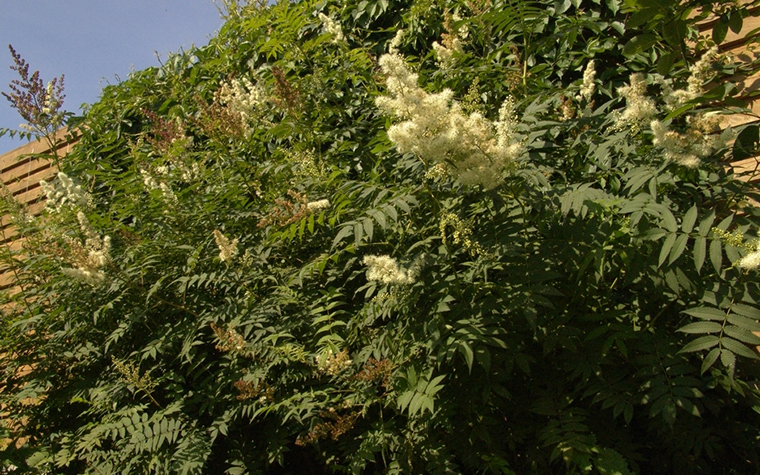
[
  {"x": 751, "y": 261},
  {"x": 437, "y": 130},
  {"x": 462, "y": 233}
]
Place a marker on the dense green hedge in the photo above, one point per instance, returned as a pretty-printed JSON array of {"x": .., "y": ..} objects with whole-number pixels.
[{"x": 502, "y": 241}]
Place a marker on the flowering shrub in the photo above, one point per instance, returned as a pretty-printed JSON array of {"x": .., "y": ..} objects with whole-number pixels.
[{"x": 414, "y": 236}]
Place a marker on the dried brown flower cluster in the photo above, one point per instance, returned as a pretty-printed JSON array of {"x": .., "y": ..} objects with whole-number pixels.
[
  {"x": 229, "y": 339},
  {"x": 164, "y": 133},
  {"x": 375, "y": 370},
  {"x": 567, "y": 108},
  {"x": 286, "y": 211},
  {"x": 450, "y": 39},
  {"x": 220, "y": 122},
  {"x": 339, "y": 425},
  {"x": 251, "y": 390},
  {"x": 334, "y": 363},
  {"x": 37, "y": 103},
  {"x": 478, "y": 7},
  {"x": 287, "y": 96}
]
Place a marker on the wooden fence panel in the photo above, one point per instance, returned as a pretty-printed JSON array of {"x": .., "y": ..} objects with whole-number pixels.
[{"x": 21, "y": 171}]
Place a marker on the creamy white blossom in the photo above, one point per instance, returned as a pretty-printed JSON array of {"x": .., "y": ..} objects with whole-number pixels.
[
  {"x": 700, "y": 74},
  {"x": 385, "y": 269},
  {"x": 317, "y": 205},
  {"x": 588, "y": 86},
  {"x": 331, "y": 363},
  {"x": 435, "y": 128},
  {"x": 243, "y": 98},
  {"x": 639, "y": 109},
  {"x": 463, "y": 31},
  {"x": 332, "y": 27},
  {"x": 227, "y": 249},
  {"x": 65, "y": 194},
  {"x": 752, "y": 260},
  {"x": 396, "y": 42},
  {"x": 697, "y": 142},
  {"x": 445, "y": 57},
  {"x": 89, "y": 258},
  {"x": 151, "y": 183}
]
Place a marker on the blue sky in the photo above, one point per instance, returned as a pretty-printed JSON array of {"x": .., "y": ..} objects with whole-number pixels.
[{"x": 95, "y": 42}]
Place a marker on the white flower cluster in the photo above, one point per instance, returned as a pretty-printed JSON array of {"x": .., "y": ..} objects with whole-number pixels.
[
  {"x": 227, "y": 249},
  {"x": 696, "y": 143},
  {"x": 396, "y": 42},
  {"x": 752, "y": 260},
  {"x": 317, "y": 205},
  {"x": 701, "y": 73},
  {"x": 452, "y": 43},
  {"x": 588, "y": 86},
  {"x": 243, "y": 98},
  {"x": 700, "y": 139},
  {"x": 331, "y": 363},
  {"x": 51, "y": 101},
  {"x": 332, "y": 27},
  {"x": 437, "y": 130},
  {"x": 445, "y": 56},
  {"x": 89, "y": 258},
  {"x": 385, "y": 269},
  {"x": 67, "y": 194},
  {"x": 639, "y": 109},
  {"x": 152, "y": 184}
]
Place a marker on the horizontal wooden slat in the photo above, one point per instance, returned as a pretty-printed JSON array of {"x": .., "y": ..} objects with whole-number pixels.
[
  {"x": 16, "y": 157},
  {"x": 32, "y": 180},
  {"x": 24, "y": 168},
  {"x": 30, "y": 196},
  {"x": 748, "y": 165}
]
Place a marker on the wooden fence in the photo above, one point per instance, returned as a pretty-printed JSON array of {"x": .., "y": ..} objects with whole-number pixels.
[
  {"x": 21, "y": 171},
  {"x": 744, "y": 46}
]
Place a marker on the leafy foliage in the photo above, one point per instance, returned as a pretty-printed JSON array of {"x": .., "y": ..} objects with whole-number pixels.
[{"x": 587, "y": 314}]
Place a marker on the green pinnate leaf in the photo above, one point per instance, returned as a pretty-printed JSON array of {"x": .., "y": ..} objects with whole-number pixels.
[
  {"x": 742, "y": 335},
  {"x": 710, "y": 359},
  {"x": 701, "y": 343},
  {"x": 701, "y": 327},
  {"x": 706, "y": 313},
  {"x": 700, "y": 252},
  {"x": 738, "y": 348},
  {"x": 689, "y": 219},
  {"x": 716, "y": 255}
]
